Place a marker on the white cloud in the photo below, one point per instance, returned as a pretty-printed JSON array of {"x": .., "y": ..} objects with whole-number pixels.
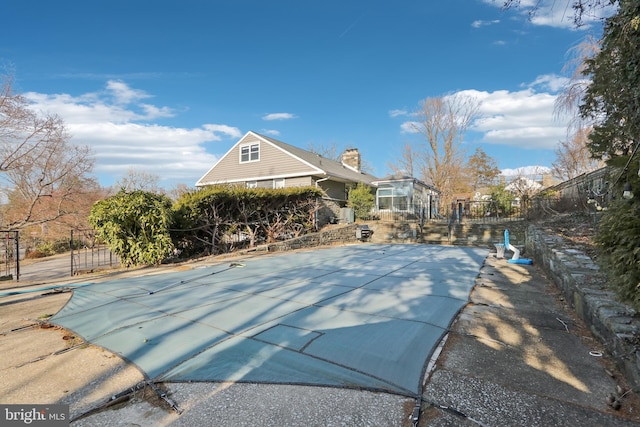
[
  {"x": 523, "y": 119},
  {"x": 555, "y": 13},
  {"x": 279, "y": 116},
  {"x": 119, "y": 130},
  {"x": 230, "y": 131},
  {"x": 480, "y": 23},
  {"x": 551, "y": 82},
  {"x": 153, "y": 112},
  {"x": 123, "y": 94},
  {"x": 526, "y": 171},
  {"x": 271, "y": 132},
  {"x": 398, "y": 112},
  {"x": 409, "y": 127}
]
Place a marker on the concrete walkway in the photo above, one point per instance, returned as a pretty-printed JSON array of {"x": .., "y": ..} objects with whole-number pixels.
[{"x": 517, "y": 356}]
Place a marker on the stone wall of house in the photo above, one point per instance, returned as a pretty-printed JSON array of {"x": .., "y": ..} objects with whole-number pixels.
[
  {"x": 328, "y": 212},
  {"x": 582, "y": 284}
]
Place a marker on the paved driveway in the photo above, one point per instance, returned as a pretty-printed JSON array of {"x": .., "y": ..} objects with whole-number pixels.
[{"x": 363, "y": 316}]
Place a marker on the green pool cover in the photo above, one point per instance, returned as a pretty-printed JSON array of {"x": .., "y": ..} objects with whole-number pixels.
[{"x": 364, "y": 316}]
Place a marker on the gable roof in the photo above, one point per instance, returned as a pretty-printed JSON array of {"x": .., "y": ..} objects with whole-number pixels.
[
  {"x": 404, "y": 178},
  {"x": 318, "y": 165},
  {"x": 331, "y": 167}
]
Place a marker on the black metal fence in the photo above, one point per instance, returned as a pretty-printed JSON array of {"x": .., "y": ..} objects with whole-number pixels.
[
  {"x": 88, "y": 253},
  {"x": 9, "y": 255},
  {"x": 476, "y": 211}
]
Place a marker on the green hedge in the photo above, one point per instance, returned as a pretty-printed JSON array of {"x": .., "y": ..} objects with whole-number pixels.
[
  {"x": 617, "y": 240},
  {"x": 219, "y": 219}
]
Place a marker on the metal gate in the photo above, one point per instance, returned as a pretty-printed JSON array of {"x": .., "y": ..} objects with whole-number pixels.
[
  {"x": 89, "y": 254},
  {"x": 10, "y": 255}
]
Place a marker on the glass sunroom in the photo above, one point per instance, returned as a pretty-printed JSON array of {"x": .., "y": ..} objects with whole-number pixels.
[{"x": 406, "y": 194}]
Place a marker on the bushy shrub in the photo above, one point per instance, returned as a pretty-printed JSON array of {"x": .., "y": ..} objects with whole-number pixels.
[
  {"x": 222, "y": 218},
  {"x": 617, "y": 241},
  {"x": 34, "y": 254},
  {"x": 362, "y": 200},
  {"x": 48, "y": 248},
  {"x": 135, "y": 225}
]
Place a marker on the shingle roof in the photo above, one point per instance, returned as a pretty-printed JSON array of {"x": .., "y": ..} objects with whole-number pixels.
[{"x": 331, "y": 167}]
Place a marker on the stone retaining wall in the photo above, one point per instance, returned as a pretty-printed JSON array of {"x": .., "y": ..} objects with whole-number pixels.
[
  {"x": 463, "y": 234},
  {"x": 579, "y": 278},
  {"x": 467, "y": 233},
  {"x": 340, "y": 234}
]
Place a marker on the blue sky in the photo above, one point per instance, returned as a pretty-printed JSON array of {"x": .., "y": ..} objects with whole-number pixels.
[{"x": 167, "y": 87}]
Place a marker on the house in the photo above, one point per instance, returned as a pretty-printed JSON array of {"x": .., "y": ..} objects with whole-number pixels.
[
  {"x": 258, "y": 161},
  {"x": 399, "y": 193},
  {"x": 522, "y": 188}
]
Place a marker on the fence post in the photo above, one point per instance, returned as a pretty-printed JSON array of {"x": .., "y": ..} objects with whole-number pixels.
[
  {"x": 71, "y": 247},
  {"x": 17, "y": 239}
]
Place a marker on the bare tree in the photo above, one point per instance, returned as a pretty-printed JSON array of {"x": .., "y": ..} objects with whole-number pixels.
[
  {"x": 570, "y": 97},
  {"x": 332, "y": 152},
  {"x": 41, "y": 173},
  {"x": 443, "y": 121},
  {"x": 404, "y": 166},
  {"x": 178, "y": 190},
  {"x": 138, "y": 180},
  {"x": 525, "y": 183},
  {"x": 573, "y": 157},
  {"x": 328, "y": 151}
]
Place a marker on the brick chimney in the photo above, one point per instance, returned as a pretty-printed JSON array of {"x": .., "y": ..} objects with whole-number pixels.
[{"x": 351, "y": 159}]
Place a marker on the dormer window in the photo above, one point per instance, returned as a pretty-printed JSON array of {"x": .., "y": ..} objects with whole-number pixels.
[{"x": 250, "y": 153}]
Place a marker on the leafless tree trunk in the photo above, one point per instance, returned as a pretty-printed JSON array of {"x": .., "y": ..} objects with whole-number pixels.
[
  {"x": 443, "y": 122},
  {"x": 41, "y": 173}
]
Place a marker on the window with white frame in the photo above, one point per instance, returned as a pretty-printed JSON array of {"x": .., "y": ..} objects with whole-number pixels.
[
  {"x": 278, "y": 183},
  {"x": 394, "y": 197},
  {"x": 252, "y": 184},
  {"x": 250, "y": 153}
]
